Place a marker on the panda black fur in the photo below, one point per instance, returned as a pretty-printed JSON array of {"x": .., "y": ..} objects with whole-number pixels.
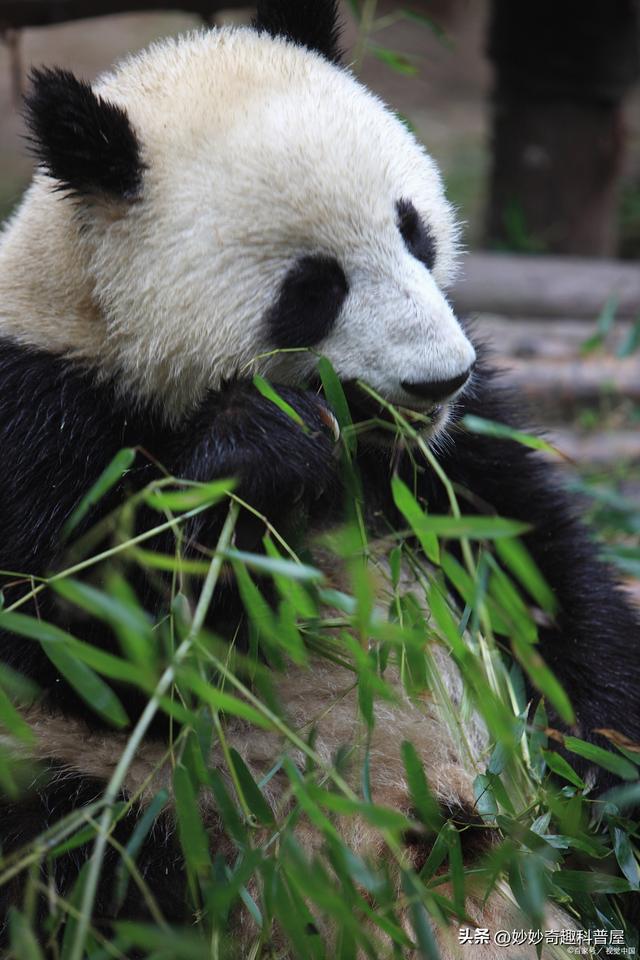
[{"x": 213, "y": 199}]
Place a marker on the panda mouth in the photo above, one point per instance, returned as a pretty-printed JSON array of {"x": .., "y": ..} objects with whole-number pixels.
[{"x": 370, "y": 415}]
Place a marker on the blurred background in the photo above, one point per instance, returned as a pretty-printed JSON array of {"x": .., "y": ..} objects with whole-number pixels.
[{"x": 532, "y": 110}]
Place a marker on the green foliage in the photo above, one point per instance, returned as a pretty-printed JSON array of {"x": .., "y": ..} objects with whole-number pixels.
[
  {"x": 371, "y": 23},
  {"x": 540, "y": 829}
]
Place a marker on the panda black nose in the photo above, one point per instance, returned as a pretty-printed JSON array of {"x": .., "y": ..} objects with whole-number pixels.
[{"x": 436, "y": 390}]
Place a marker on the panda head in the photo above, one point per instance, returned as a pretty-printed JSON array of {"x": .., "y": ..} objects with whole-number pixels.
[{"x": 235, "y": 202}]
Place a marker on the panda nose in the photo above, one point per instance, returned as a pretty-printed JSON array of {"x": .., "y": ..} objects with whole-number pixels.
[{"x": 436, "y": 390}]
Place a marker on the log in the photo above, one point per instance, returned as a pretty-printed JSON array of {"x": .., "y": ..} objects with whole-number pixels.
[
  {"x": 537, "y": 286},
  {"x": 37, "y": 13},
  {"x": 561, "y": 384},
  {"x": 598, "y": 448},
  {"x": 530, "y": 337}
]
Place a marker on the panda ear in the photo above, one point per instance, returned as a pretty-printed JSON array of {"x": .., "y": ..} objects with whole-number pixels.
[
  {"x": 84, "y": 142},
  {"x": 312, "y": 23}
]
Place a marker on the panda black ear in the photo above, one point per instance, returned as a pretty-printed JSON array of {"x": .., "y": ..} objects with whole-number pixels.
[
  {"x": 84, "y": 142},
  {"x": 312, "y": 23}
]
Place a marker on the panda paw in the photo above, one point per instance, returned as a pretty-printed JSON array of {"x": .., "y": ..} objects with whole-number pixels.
[{"x": 281, "y": 457}]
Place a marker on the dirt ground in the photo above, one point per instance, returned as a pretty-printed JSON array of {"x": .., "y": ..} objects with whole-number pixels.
[{"x": 447, "y": 100}]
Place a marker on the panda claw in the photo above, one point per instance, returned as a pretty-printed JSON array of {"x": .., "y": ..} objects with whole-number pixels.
[{"x": 330, "y": 421}]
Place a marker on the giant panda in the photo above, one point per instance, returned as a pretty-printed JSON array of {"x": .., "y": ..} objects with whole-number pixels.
[{"x": 230, "y": 203}]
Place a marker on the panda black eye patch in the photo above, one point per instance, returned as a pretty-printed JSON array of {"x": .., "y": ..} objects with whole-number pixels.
[
  {"x": 308, "y": 304},
  {"x": 416, "y": 234}
]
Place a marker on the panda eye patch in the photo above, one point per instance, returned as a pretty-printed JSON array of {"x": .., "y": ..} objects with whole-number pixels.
[
  {"x": 415, "y": 234},
  {"x": 308, "y": 304}
]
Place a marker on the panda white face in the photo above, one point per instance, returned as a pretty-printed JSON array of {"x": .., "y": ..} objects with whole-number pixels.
[{"x": 282, "y": 213}]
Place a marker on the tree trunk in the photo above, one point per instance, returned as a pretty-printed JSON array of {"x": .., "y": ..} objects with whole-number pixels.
[{"x": 561, "y": 72}]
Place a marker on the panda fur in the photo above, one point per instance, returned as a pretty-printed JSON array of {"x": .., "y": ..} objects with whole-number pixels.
[{"x": 200, "y": 213}]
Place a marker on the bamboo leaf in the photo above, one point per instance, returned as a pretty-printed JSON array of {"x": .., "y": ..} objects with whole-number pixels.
[
  {"x": 415, "y": 515},
  {"x": 22, "y": 938},
  {"x": 626, "y": 857},
  {"x": 109, "y": 477},
  {"x": 193, "y": 837},
  {"x": 268, "y": 392},
  {"x": 489, "y": 428},
  {"x": 220, "y": 700},
  {"x": 252, "y": 793},
  {"x": 612, "y": 762},
  {"x": 470, "y": 527},
  {"x": 517, "y": 558},
  {"x": 563, "y": 769},
  {"x": 85, "y": 682},
  {"x": 179, "y": 501}
]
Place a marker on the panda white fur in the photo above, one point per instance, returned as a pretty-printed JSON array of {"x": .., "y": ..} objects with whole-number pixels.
[{"x": 205, "y": 211}]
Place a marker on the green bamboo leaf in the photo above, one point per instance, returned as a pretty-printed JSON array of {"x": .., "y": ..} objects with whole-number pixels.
[
  {"x": 71, "y": 923},
  {"x": 290, "y": 919},
  {"x": 456, "y": 870},
  {"x": 252, "y": 793},
  {"x": 193, "y": 837},
  {"x": 485, "y": 801},
  {"x": 437, "y": 855},
  {"x": 626, "y": 857},
  {"x": 169, "y": 562},
  {"x": 586, "y": 881},
  {"x": 225, "y": 702},
  {"x": 612, "y": 762},
  {"x": 180, "y": 501},
  {"x": 254, "y": 603},
  {"x": 276, "y": 566},
  {"x": 563, "y": 769},
  {"x": 419, "y": 918},
  {"x": 471, "y": 527},
  {"x": 489, "y": 428},
  {"x": 13, "y": 722},
  {"x": 22, "y": 938},
  {"x": 162, "y": 943},
  {"x": 517, "y": 558},
  {"x": 623, "y": 798},
  {"x": 109, "y": 477},
  {"x": 467, "y": 589},
  {"x": 631, "y": 342},
  {"x": 604, "y": 324},
  {"x": 268, "y": 392},
  {"x": 99, "y": 660},
  {"x": 398, "y": 62},
  {"x": 337, "y": 400},
  {"x": 446, "y": 623},
  {"x": 289, "y": 589},
  {"x": 227, "y": 808},
  {"x": 382, "y": 817},
  {"x": 415, "y": 515},
  {"x": 104, "y": 606},
  {"x": 541, "y": 676},
  {"x": 85, "y": 682},
  {"x": 508, "y": 599},
  {"x": 19, "y": 689}
]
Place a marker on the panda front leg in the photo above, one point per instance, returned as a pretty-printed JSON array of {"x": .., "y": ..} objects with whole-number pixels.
[
  {"x": 282, "y": 462},
  {"x": 593, "y": 646}
]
